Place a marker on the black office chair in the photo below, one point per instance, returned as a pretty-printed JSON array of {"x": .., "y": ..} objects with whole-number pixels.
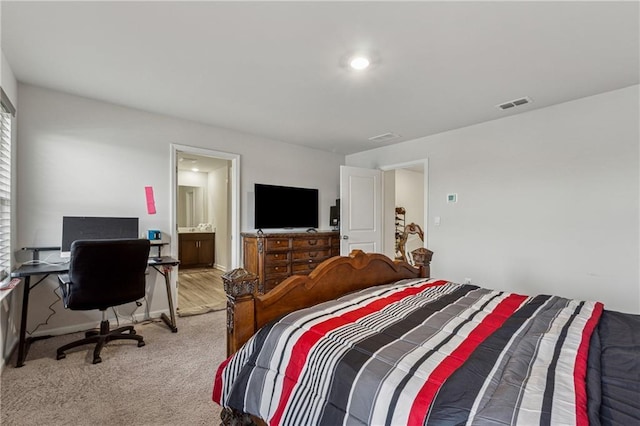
[{"x": 102, "y": 274}]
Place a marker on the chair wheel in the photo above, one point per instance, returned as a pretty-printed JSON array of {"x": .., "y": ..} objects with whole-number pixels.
[
  {"x": 140, "y": 344},
  {"x": 60, "y": 356},
  {"x": 97, "y": 360}
]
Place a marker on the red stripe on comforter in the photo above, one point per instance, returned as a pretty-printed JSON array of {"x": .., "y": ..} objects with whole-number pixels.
[
  {"x": 580, "y": 371},
  {"x": 301, "y": 348},
  {"x": 453, "y": 361},
  {"x": 217, "y": 383}
]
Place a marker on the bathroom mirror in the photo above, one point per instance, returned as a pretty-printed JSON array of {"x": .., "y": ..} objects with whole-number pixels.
[{"x": 191, "y": 206}]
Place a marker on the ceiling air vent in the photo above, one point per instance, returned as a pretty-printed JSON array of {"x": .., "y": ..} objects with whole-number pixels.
[
  {"x": 515, "y": 103},
  {"x": 384, "y": 137}
]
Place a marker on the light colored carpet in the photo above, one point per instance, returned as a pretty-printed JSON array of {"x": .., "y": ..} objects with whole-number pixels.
[
  {"x": 167, "y": 382},
  {"x": 200, "y": 291}
]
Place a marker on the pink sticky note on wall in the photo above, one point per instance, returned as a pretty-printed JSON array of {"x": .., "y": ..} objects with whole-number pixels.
[{"x": 151, "y": 202}]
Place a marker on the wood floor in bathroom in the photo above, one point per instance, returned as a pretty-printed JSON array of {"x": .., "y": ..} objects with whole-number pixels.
[{"x": 200, "y": 290}]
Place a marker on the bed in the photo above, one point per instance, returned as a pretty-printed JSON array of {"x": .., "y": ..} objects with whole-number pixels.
[{"x": 367, "y": 340}]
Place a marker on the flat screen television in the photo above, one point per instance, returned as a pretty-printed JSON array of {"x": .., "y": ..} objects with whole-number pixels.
[{"x": 285, "y": 207}]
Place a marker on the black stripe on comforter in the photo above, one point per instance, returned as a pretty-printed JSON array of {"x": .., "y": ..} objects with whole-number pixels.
[{"x": 417, "y": 352}]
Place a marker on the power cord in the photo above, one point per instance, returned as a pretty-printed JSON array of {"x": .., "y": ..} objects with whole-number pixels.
[
  {"x": 53, "y": 312},
  {"x": 147, "y": 313},
  {"x": 133, "y": 320},
  {"x": 116, "y": 313}
]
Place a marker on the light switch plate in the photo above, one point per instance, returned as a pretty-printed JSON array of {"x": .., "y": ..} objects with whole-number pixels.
[{"x": 452, "y": 198}]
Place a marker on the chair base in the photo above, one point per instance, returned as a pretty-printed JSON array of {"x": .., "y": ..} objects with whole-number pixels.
[{"x": 100, "y": 338}]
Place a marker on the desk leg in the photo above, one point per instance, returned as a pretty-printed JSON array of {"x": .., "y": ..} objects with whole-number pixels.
[
  {"x": 170, "y": 322},
  {"x": 22, "y": 349}
]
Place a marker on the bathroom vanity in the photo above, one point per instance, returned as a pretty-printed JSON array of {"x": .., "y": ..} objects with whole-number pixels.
[{"x": 196, "y": 249}]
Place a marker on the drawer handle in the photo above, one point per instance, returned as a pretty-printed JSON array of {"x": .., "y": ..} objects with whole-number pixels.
[
  {"x": 276, "y": 268},
  {"x": 313, "y": 242},
  {"x": 276, "y": 256},
  {"x": 278, "y": 242},
  {"x": 313, "y": 254}
]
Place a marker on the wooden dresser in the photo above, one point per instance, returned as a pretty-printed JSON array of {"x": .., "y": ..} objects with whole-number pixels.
[{"x": 276, "y": 256}]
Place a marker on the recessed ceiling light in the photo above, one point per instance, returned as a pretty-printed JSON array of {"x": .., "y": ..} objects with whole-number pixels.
[
  {"x": 195, "y": 170},
  {"x": 359, "y": 63}
]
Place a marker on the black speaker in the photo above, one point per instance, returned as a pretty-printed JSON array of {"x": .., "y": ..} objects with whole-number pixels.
[{"x": 334, "y": 215}]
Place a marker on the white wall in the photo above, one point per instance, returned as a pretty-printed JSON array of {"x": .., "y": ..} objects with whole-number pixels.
[
  {"x": 8, "y": 81},
  {"x": 548, "y": 199},
  {"x": 389, "y": 217},
  {"x": 190, "y": 178},
  {"x": 219, "y": 207},
  {"x": 410, "y": 195},
  {"x": 78, "y": 156},
  {"x": 10, "y": 302}
]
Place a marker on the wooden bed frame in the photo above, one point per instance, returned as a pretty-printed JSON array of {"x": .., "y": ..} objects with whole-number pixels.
[{"x": 247, "y": 311}]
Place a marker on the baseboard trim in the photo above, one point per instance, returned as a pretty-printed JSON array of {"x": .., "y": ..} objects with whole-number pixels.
[
  {"x": 123, "y": 320},
  {"x": 138, "y": 319}
]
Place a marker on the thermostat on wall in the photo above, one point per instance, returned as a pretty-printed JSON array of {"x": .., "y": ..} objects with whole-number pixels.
[{"x": 452, "y": 198}]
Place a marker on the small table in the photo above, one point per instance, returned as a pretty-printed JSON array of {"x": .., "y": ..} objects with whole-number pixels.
[
  {"x": 162, "y": 264},
  {"x": 158, "y": 244}
]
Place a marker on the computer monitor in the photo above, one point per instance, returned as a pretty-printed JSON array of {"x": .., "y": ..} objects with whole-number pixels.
[{"x": 92, "y": 228}]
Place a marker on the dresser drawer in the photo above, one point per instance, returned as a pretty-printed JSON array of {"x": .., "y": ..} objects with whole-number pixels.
[
  {"x": 270, "y": 283},
  {"x": 276, "y": 256},
  {"x": 271, "y": 259},
  {"x": 273, "y": 270},
  {"x": 310, "y": 242},
  {"x": 277, "y": 244},
  {"x": 303, "y": 268},
  {"x": 314, "y": 255}
]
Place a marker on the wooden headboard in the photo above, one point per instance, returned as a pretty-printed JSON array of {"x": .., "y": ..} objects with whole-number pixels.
[{"x": 247, "y": 311}]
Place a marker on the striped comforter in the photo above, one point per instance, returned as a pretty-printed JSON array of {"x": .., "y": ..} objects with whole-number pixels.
[{"x": 417, "y": 352}]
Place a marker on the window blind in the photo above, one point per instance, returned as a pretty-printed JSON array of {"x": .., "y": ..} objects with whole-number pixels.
[{"x": 5, "y": 191}]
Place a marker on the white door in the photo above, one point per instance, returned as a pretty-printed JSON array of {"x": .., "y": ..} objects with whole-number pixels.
[{"x": 360, "y": 210}]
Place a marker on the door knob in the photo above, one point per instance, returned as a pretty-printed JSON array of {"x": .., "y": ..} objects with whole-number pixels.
[{"x": 345, "y": 237}]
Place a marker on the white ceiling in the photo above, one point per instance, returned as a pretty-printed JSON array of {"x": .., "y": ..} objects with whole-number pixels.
[
  {"x": 277, "y": 69},
  {"x": 204, "y": 164}
]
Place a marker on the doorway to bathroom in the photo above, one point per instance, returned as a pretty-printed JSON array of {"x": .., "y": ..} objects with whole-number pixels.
[{"x": 206, "y": 223}]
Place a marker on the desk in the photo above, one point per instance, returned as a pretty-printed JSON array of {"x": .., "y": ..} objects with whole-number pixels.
[{"x": 161, "y": 264}]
